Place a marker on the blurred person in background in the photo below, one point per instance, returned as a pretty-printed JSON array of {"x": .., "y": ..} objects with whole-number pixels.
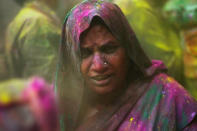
[
  {"x": 183, "y": 15},
  {"x": 32, "y": 40},
  {"x": 158, "y": 38},
  {"x": 28, "y": 105}
]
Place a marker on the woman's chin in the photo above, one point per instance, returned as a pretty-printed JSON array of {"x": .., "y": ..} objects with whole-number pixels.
[{"x": 102, "y": 90}]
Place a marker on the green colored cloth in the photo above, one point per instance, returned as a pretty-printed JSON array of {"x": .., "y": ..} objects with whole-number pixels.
[
  {"x": 32, "y": 42},
  {"x": 158, "y": 39},
  {"x": 182, "y": 12}
]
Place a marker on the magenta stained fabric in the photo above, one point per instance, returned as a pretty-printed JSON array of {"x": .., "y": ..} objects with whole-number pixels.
[
  {"x": 152, "y": 101},
  {"x": 163, "y": 104}
]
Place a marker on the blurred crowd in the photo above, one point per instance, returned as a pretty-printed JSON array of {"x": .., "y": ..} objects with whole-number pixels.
[{"x": 29, "y": 41}]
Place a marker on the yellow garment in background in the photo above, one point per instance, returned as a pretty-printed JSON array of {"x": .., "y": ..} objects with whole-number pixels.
[{"x": 32, "y": 42}]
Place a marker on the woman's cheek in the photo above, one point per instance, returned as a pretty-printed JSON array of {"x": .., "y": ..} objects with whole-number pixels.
[{"x": 85, "y": 65}]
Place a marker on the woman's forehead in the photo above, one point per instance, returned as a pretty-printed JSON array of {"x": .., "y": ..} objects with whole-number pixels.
[{"x": 97, "y": 34}]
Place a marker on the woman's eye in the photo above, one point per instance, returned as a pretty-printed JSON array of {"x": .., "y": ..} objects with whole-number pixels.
[
  {"x": 85, "y": 53},
  {"x": 109, "y": 49}
]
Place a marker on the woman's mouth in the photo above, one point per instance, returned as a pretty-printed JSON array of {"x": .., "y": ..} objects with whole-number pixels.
[{"x": 101, "y": 80}]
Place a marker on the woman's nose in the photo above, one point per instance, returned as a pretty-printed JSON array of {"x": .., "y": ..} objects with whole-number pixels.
[{"x": 98, "y": 63}]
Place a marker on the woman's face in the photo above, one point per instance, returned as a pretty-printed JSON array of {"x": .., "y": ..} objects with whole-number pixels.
[{"x": 104, "y": 61}]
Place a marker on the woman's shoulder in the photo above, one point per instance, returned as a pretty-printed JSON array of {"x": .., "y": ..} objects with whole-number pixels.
[
  {"x": 176, "y": 96},
  {"x": 165, "y": 104},
  {"x": 169, "y": 84}
]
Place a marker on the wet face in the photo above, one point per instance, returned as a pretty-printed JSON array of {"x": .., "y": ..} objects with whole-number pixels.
[{"x": 104, "y": 63}]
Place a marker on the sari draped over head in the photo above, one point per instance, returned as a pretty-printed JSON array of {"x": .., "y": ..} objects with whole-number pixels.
[{"x": 152, "y": 100}]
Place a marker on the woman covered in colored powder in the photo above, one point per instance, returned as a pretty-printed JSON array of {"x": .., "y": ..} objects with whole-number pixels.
[{"x": 106, "y": 82}]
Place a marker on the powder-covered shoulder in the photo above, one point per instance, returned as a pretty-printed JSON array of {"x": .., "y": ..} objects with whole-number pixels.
[
  {"x": 170, "y": 84},
  {"x": 185, "y": 104}
]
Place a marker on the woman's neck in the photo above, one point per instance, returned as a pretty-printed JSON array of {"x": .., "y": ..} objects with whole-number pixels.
[
  {"x": 93, "y": 103},
  {"x": 102, "y": 100}
]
